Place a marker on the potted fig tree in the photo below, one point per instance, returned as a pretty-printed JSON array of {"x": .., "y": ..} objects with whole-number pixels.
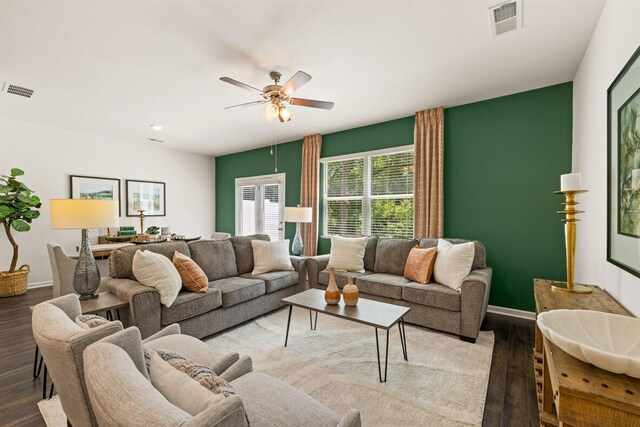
[{"x": 18, "y": 208}]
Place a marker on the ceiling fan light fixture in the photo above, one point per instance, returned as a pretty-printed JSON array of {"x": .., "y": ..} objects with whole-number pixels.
[
  {"x": 272, "y": 111},
  {"x": 284, "y": 114}
]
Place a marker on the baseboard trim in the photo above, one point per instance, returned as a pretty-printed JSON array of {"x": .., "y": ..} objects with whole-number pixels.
[
  {"x": 39, "y": 284},
  {"x": 511, "y": 312}
]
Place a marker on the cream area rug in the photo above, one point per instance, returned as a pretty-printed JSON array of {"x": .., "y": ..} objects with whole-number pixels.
[{"x": 444, "y": 383}]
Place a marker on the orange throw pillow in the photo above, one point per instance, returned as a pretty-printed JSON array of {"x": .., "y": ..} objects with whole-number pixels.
[
  {"x": 419, "y": 266},
  {"x": 193, "y": 278}
]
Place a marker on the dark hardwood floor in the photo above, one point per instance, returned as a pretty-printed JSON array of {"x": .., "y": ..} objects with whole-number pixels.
[{"x": 511, "y": 399}]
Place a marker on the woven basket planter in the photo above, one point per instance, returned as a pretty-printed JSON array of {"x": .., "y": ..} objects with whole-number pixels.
[{"x": 14, "y": 283}]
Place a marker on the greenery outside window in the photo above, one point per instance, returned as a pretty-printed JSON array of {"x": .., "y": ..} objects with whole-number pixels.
[{"x": 369, "y": 194}]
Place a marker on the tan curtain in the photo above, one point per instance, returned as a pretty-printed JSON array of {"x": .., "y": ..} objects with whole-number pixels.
[
  {"x": 428, "y": 173},
  {"x": 309, "y": 191}
]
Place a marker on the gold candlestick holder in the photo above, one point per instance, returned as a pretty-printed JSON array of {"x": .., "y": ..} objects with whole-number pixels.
[
  {"x": 570, "y": 220},
  {"x": 141, "y": 221}
]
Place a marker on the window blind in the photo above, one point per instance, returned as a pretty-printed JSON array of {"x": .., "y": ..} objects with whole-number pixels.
[
  {"x": 271, "y": 211},
  {"x": 369, "y": 195},
  {"x": 248, "y": 212}
]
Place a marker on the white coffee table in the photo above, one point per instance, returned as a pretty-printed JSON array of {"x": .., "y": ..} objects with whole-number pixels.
[{"x": 380, "y": 315}]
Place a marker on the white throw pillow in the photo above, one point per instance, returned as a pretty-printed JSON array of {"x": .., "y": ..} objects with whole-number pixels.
[
  {"x": 270, "y": 256},
  {"x": 179, "y": 388},
  {"x": 157, "y": 271},
  {"x": 347, "y": 253},
  {"x": 453, "y": 263}
]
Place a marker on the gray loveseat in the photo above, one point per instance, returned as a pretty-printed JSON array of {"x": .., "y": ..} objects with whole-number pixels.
[
  {"x": 433, "y": 305},
  {"x": 234, "y": 295}
]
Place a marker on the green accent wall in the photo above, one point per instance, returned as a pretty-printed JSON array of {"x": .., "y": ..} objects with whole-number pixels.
[{"x": 503, "y": 160}]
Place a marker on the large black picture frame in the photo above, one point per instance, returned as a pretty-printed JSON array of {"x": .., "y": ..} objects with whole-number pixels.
[
  {"x": 623, "y": 193},
  {"x": 76, "y": 183}
]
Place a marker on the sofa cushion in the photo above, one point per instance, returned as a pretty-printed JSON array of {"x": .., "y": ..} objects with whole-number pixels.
[
  {"x": 432, "y": 295},
  {"x": 271, "y": 402},
  {"x": 341, "y": 277},
  {"x": 370, "y": 253},
  {"x": 479, "y": 257},
  {"x": 275, "y": 280},
  {"x": 391, "y": 255},
  {"x": 238, "y": 289},
  {"x": 121, "y": 260},
  {"x": 244, "y": 251},
  {"x": 382, "y": 285},
  {"x": 215, "y": 257},
  {"x": 190, "y": 304}
]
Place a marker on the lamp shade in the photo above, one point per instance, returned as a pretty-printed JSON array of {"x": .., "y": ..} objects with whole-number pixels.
[
  {"x": 298, "y": 214},
  {"x": 84, "y": 214}
]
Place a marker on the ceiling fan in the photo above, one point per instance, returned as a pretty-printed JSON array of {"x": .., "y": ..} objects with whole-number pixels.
[{"x": 275, "y": 96}]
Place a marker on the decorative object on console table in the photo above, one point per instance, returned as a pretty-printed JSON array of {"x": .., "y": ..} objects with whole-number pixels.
[
  {"x": 570, "y": 185},
  {"x": 332, "y": 293},
  {"x": 18, "y": 207},
  {"x": 93, "y": 187},
  {"x": 350, "y": 293},
  {"x": 84, "y": 214},
  {"x": 623, "y": 168},
  {"x": 146, "y": 196},
  {"x": 298, "y": 215},
  {"x": 153, "y": 232},
  {"x": 572, "y": 392}
]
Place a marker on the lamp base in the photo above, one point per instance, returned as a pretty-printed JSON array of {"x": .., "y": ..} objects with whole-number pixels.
[
  {"x": 84, "y": 297},
  {"x": 577, "y": 289},
  {"x": 86, "y": 277},
  {"x": 297, "y": 247}
]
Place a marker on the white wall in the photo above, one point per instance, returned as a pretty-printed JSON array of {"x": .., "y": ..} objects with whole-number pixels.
[
  {"x": 49, "y": 155},
  {"x": 615, "y": 39}
]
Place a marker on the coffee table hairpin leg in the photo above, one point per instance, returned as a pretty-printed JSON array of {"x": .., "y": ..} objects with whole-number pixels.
[
  {"x": 403, "y": 339},
  {"x": 313, "y": 324},
  {"x": 286, "y": 338},
  {"x": 386, "y": 357}
]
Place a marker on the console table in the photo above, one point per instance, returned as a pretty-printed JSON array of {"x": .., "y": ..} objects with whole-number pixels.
[{"x": 571, "y": 392}]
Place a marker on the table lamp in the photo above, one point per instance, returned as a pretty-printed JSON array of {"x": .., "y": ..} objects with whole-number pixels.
[
  {"x": 297, "y": 214},
  {"x": 84, "y": 214}
]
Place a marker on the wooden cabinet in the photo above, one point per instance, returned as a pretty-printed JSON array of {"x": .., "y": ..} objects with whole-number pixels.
[{"x": 574, "y": 393}]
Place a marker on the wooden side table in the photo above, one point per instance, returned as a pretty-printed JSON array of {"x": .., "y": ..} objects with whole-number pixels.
[
  {"x": 574, "y": 393},
  {"x": 105, "y": 303}
]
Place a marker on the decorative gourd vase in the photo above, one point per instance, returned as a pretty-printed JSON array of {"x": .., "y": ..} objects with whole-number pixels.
[
  {"x": 332, "y": 294},
  {"x": 350, "y": 293}
]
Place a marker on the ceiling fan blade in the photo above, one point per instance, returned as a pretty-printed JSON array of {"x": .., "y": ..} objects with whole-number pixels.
[
  {"x": 325, "y": 105},
  {"x": 247, "y": 104},
  {"x": 298, "y": 80},
  {"x": 240, "y": 84}
]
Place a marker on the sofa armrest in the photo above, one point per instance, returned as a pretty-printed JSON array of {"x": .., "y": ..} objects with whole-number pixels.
[
  {"x": 351, "y": 419},
  {"x": 229, "y": 412},
  {"x": 300, "y": 265},
  {"x": 144, "y": 304},
  {"x": 242, "y": 366},
  {"x": 314, "y": 266},
  {"x": 474, "y": 299},
  {"x": 172, "y": 329}
]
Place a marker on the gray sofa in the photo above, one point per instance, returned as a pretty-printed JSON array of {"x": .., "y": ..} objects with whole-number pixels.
[
  {"x": 234, "y": 295},
  {"x": 433, "y": 305}
]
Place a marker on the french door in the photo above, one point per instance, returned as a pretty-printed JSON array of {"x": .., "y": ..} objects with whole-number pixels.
[{"x": 260, "y": 206}]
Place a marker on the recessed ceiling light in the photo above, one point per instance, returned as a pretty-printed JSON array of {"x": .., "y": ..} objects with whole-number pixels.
[
  {"x": 156, "y": 127},
  {"x": 156, "y": 140}
]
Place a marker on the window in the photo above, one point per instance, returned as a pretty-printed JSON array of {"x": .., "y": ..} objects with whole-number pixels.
[
  {"x": 260, "y": 206},
  {"x": 370, "y": 194}
]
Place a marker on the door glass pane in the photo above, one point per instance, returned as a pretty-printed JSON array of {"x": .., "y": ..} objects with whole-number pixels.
[
  {"x": 248, "y": 219},
  {"x": 271, "y": 211}
]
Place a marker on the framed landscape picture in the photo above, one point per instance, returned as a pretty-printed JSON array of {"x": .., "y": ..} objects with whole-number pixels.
[
  {"x": 623, "y": 173},
  {"x": 91, "y": 187},
  {"x": 148, "y": 196}
]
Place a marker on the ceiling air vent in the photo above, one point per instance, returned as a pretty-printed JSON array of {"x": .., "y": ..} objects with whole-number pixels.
[
  {"x": 17, "y": 90},
  {"x": 505, "y": 17}
]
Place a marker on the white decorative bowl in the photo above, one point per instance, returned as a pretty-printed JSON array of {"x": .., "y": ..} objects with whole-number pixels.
[{"x": 608, "y": 341}]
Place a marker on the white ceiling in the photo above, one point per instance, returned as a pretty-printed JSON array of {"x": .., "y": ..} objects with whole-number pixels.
[{"x": 113, "y": 68}]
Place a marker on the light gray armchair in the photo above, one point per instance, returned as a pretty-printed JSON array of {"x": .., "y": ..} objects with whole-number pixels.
[
  {"x": 62, "y": 342},
  {"x": 122, "y": 395}
]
